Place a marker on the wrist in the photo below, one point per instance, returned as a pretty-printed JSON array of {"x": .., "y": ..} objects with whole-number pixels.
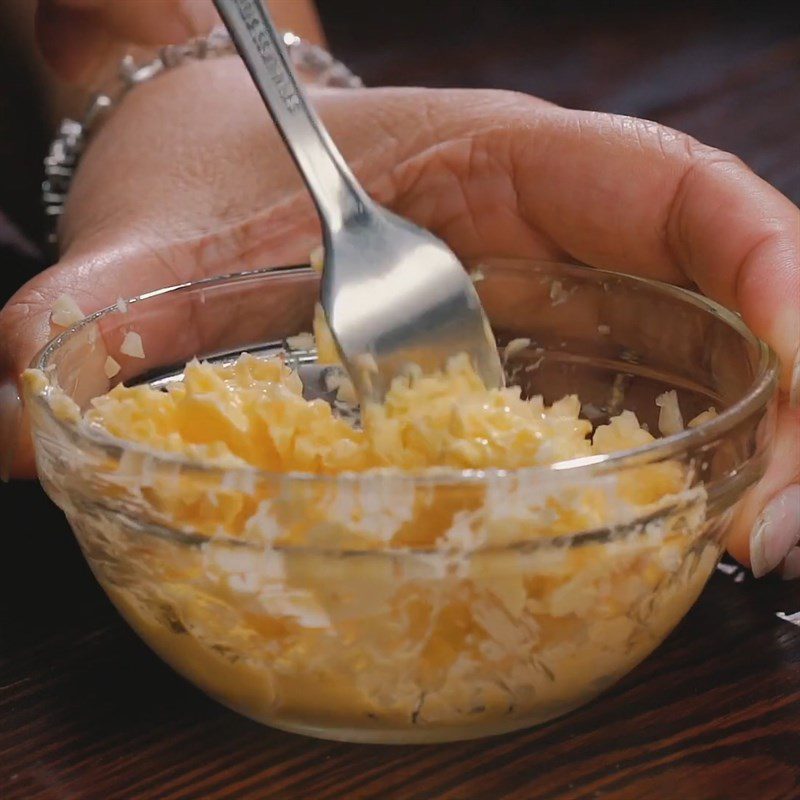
[{"x": 314, "y": 65}]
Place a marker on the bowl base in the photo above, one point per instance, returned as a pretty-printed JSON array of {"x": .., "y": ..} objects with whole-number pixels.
[{"x": 411, "y": 736}]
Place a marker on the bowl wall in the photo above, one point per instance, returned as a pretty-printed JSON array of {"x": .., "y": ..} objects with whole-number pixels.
[{"x": 390, "y": 608}]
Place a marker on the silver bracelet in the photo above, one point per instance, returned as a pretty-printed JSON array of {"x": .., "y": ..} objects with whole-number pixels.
[{"x": 70, "y": 140}]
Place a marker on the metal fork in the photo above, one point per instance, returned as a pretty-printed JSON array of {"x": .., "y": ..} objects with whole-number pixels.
[{"x": 393, "y": 293}]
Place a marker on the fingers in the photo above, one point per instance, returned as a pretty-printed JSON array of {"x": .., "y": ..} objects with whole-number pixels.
[
  {"x": 621, "y": 194},
  {"x": 629, "y": 195},
  {"x": 739, "y": 240},
  {"x": 77, "y": 37},
  {"x": 766, "y": 529}
]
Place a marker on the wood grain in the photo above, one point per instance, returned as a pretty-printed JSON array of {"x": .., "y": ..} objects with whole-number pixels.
[{"x": 86, "y": 711}]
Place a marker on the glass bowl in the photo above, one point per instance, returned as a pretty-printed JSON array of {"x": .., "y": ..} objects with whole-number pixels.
[{"x": 399, "y": 608}]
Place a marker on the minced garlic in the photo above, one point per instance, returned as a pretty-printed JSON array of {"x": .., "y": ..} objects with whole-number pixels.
[
  {"x": 253, "y": 410},
  {"x": 702, "y": 417},
  {"x": 327, "y": 353},
  {"x": 370, "y": 606},
  {"x": 111, "y": 367},
  {"x": 132, "y": 345},
  {"x": 317, "y": 258},
  {"x": 514, "y": 347},
  {"x": 670, "y": 419},
  {"x": 65, "y": 312}
]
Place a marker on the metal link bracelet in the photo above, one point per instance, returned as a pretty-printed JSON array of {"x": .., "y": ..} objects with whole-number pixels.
[{"x": 72, "y": 136}]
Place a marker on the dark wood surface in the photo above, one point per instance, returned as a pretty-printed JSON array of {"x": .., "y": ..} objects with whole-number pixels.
[{"x": 86, "y": 711}]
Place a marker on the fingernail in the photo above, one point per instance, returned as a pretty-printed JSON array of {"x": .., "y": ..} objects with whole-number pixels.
[
  {"x": 791, "y": 565},
  {"x": 776, "y": 532},
  {"x": 198, "y": 16},
  {"x": 10, "y": 416},
  {"x": 794, "y": 386}
]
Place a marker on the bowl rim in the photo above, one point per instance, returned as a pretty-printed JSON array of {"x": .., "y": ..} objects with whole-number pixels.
[{"x": 757, "y": 396}]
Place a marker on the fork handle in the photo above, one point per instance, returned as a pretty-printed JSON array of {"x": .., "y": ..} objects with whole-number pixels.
[{"x": 334, "y": 189}]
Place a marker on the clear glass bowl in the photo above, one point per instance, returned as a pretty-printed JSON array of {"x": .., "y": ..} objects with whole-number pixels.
[{"x": 392, "y": 608}]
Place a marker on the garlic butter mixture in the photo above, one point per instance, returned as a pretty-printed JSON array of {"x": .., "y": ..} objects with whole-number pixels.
[
  {"x": 377, "y": 608},
  {"x": 253, "y": 412}
]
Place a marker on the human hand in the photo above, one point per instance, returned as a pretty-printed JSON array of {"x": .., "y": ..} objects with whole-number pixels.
[{"x": 189, "y": 179}]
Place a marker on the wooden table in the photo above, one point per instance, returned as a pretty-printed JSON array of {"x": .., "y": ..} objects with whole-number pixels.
[{"x": 86, "y": 711}]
